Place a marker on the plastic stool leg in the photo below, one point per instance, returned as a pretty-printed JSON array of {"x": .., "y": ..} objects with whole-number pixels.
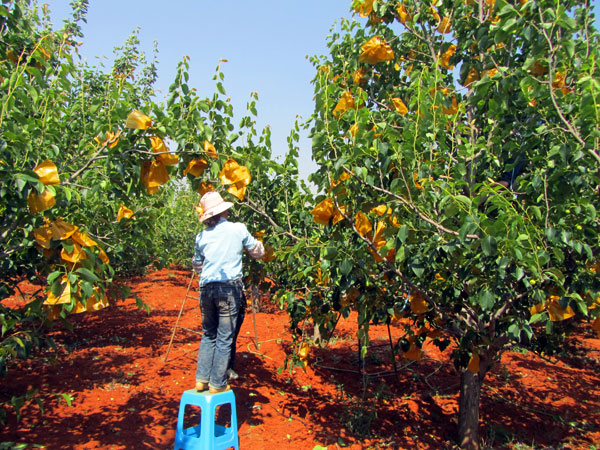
[{"x": 207, "y": 435}]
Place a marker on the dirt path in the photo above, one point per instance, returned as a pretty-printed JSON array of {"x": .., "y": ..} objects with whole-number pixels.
[{"x": 114, "y": 390}]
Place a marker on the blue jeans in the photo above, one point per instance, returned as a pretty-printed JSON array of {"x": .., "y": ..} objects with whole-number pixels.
[
  {"x": 240, "y": 321},
  {"x": 220, "y": 304}
]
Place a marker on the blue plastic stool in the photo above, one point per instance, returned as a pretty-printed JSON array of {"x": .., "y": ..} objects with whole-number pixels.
[{"x": 207, "y": 435}]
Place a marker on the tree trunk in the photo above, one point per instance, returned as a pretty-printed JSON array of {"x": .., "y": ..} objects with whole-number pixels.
[{"x": 468, "y": 410}]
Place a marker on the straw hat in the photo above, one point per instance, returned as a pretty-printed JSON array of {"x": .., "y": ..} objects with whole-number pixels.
[{"x": 213, "y": 204}]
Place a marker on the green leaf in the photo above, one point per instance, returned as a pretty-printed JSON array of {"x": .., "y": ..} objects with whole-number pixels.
[
  {"x": 569, "y": 46},
  {"x": 401, "y": 254},
  {"x": 67, "y": 192},
  {"x": 19, "y": 341},
  {"x": 518, "y": 273},
  {"x": 215, "y": 169},
  {"x": 514, "y": 332},
  {"x": 67, "y": 398},
  {"x": 87, "y": 275},
  {"x": 488, "y": 245},
  {"x": 536, "y": 318},
  {"x": 339, "y": 163},
  {"x": 402, "y": 233},
  {"x": 330, "y": 253},
  {"x": 509, "y": 24},
  {"x": 467, "y": 228},
  {"x": 486, "y": 300},
  {"x": 346, "y": 266},
  {"x": 536, "y": 212},
  {"x": 464, "y": 200},
  {"x": 25, "y": 177},
  {"x": 418, "y": 268},
  {"x": 555, "y": 274},
  {"x": 53, "y": 276},
  {"x": 583, "y": 309},
  {"x": 590, "y": 210}
]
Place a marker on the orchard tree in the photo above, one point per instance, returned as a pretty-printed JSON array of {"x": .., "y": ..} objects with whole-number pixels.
[
  {"x": 458, "y": 152},
  {"x": 98, "y": 179}
]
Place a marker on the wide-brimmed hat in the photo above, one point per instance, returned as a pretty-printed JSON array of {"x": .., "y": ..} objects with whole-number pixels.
[{"x": 213, "y": 204}]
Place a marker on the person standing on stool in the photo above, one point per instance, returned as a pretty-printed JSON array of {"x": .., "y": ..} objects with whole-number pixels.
[{"x": 218, "y": 259}]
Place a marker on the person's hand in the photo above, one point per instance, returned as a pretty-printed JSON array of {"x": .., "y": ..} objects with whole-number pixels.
[{"x": 258, "y": 251}]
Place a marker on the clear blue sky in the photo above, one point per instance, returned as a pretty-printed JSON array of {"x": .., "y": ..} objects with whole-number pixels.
[{"x": 266, "y": 43}]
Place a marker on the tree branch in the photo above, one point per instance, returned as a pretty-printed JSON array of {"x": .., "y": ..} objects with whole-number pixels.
[
  {"x": 254, "y": 207},
  {"x": 559, "y": 111},
  {"x": 412, "y": 207}
]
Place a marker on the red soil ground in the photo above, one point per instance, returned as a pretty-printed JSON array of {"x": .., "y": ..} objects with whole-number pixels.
[{"x": 125, "y": 396}]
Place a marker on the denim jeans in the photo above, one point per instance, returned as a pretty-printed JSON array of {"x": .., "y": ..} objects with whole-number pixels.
[
  {"x": 240, "y": 320},
  {"x": 220, "y": 303}
]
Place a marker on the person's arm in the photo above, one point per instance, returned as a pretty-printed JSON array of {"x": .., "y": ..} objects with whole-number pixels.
[
  {"x": 258, "y": 251},
  {"x": 253, "y": 246},
  {"x": 197, "y": 259}
]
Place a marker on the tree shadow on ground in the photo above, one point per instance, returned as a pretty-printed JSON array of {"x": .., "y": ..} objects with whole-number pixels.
[
  {"x": 539, "y": 398},
  {"x": 98, "y": 355},
  {"x": 118, "y": 353}
]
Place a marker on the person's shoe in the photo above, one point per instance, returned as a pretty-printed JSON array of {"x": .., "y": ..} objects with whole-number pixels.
[
  {"x": 217, "y": 390},
  {"x": 200, "y": 386},
  {"x": 232, "y": 374}
]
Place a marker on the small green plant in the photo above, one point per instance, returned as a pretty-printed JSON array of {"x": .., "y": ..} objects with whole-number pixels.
[
  {"x": 519, "y": 349},
  {"x": 66, "y": 397},
  {"x": 15, "y": 446},
  {"x": 18, "y": 402},
  {"x": 359, "y": 414},
  {"x": 118, "y": 339},
  {"x": 497, "y": 435},
  {"x": 504, "y": 374}
]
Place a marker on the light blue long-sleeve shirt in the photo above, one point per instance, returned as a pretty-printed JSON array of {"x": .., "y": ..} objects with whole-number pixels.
[{"x": 219, "y": 250}]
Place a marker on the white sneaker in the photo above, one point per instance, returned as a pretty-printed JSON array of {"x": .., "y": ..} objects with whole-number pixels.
[{"x": 232, "y": 375}]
